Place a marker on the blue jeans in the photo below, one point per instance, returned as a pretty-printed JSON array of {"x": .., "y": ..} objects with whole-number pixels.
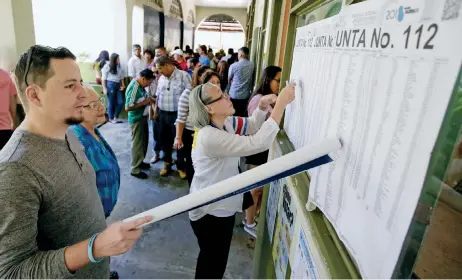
[{"x": 115, "y": 100}]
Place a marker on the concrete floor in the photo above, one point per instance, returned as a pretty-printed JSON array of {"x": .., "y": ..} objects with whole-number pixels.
[{"x": 167, "y": 249}]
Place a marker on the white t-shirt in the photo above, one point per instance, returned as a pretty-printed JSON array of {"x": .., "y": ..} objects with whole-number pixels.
[
  {"x": 135, "y": 66},
  {"x": 216, "y": 154}
]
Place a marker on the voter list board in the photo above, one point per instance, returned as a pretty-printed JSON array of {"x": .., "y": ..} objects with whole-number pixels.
[{"x": 379, "y": 76}]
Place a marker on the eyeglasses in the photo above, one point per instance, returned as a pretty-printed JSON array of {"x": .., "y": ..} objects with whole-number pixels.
[
  {"x": 30, "y": 53},
  {"x": 95, "y": 104},
  {"x": 224, "y": 95}
]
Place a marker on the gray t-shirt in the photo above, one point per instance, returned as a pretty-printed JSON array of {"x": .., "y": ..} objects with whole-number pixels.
[{"x": 48, "y": 201}]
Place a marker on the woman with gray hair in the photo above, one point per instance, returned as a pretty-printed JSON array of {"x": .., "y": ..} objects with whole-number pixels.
[{"x": 219, "y": 141}]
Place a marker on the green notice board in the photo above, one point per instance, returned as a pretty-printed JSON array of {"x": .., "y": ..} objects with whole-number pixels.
[{"x": 288, "y": 234}]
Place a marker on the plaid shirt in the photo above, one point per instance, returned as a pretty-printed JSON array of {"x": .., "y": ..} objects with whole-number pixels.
[
  {"x": 241, "y": 74},
  {"x": 170, "y": 89}
]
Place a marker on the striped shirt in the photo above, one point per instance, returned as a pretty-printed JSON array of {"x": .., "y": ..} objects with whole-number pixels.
[
  {"x": 241, "y": 74},
  {"x": 108, "y": 76},
  {"x": 170, "y": 89},
  {"x": 183, "y": 110},
  {"x": 104, "y": 161},
  {"x": 133, "y": 94}
]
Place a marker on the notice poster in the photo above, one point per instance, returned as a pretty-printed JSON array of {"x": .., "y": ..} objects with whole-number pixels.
[
  {"x": 379, "y": 76},
  {"x": 280, "y": 253},
  {"x": 288, "y": 213},
  {"x": 272, "y": 206},
  {"x": 303, "y": 266},
  {"x": 285, "y": 225}
]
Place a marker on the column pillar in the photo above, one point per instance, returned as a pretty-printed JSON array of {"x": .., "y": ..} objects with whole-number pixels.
[{"x": 17, "y": 29}]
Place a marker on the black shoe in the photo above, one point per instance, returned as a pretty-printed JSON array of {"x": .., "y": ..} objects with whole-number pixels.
[
  {"x": 140, "y": 175},
  {"x": 145, "y": 166},
  {"x": 114, "y": 275}
]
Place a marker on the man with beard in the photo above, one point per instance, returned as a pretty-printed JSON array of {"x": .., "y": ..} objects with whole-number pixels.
[{"x": 53, "y": 223}]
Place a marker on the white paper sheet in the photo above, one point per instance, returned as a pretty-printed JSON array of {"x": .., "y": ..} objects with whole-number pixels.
[
  {"x": 303, "y": 266},
  {"x": 379, "y": 76}
]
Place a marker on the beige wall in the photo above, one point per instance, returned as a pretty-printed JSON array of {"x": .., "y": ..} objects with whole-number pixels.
[
  {"x": 186, "y": 6},
  {"x": 239, "y": 14},
  {"x": 16, "y": 29}
]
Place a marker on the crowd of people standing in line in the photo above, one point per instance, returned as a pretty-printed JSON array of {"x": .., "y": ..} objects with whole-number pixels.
[{"x": 197, "y": 104}]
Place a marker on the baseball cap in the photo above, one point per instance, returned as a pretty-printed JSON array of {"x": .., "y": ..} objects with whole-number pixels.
[{"x": 178, "y": 52}]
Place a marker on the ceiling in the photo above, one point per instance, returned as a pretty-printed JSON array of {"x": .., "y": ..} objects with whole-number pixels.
[{"x": 223, "y": 3}]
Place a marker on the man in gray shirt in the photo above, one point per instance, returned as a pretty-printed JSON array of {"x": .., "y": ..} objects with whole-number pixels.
[{"x": 52, "y": 222}]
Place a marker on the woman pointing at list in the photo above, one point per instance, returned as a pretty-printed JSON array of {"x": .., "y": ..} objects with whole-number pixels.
[{"x": 219, "y": 141}]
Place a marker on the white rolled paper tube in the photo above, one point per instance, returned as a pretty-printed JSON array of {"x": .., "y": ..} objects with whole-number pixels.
[{"x": 293, "y": 163}]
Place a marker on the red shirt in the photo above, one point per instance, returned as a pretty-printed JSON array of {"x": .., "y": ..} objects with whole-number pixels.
[{"x": 183, "y": 65}]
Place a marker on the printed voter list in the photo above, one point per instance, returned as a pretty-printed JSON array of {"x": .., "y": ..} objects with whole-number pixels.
[{"x": 372, "y": 76}]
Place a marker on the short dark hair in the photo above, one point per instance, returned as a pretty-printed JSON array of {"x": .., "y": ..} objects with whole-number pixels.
[
  {"x": 164, "y": 60},
  {"x": 149, "y": 52},
  {"x": 177, "y": 48},
  {"x": 203, "y": 48},
  {"x": 230, "y": 51},
  {"x": 208, "y": 75},
  {"x": 136, "y": 46},
  {"x": 147, "y": 74},
  {"x": 193, "y": 60},
  {"x": 245, "y": 51},
  {"x": 34, "y": 66}
]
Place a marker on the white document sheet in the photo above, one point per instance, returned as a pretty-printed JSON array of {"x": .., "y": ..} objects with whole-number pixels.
[
  {"x": 379, "y": 76},
  {"x": 303, "y": 266}
]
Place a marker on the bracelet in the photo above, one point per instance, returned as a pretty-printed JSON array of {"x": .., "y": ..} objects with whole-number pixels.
[
  {"x": 90, "y": 249},
  {"x": 179, "y": 138}
]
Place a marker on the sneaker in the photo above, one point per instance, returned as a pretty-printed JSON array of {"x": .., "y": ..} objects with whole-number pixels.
[
  {"x": 166, "y": 169},
  {"x": 140, "y": 175},
  {"x": 117, "y": 121},
  {"x": 155, "y": 158},
  {"x": 145, "y": 165},
  {"x": 251, "y": 229},
  {"x": 182, "y": 174}
]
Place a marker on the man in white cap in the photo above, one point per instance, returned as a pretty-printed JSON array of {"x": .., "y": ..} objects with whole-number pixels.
[{"x": 178, "y": 56}]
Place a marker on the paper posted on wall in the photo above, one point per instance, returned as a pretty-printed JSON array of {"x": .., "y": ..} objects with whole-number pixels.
[
  {"x": 303, "y": 266},
  {"x": 379, "y": 76},
  {"x": 272, "y": 207}
]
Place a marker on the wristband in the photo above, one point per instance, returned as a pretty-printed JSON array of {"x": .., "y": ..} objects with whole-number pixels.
[{"x": 90, "y": 249}]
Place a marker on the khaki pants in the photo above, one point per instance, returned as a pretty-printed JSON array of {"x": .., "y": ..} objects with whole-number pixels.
[{"x": 140, "y": 140}]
